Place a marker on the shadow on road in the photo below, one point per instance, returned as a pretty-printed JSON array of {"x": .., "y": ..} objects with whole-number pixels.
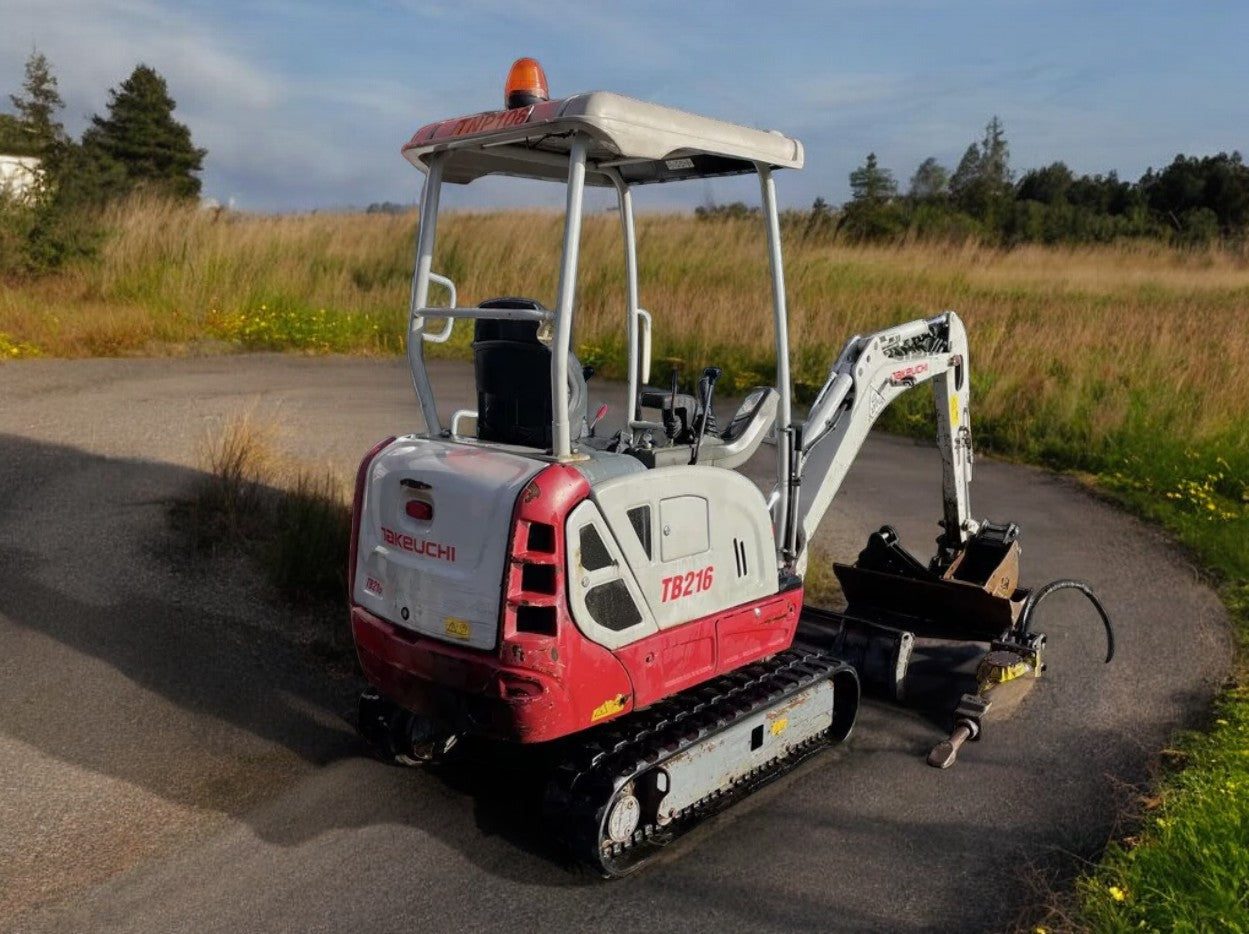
[{"x": 125, "y": 653}]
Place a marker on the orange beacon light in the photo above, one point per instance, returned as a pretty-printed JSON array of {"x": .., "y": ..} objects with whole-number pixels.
[{"x": 526, "y": 84}]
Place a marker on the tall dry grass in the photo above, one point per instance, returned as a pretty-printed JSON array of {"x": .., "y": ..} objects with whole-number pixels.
[
  {"x": 290, "y": 515},
  {"x": 1109, "y": 358},
  {"x": 1089, "y": 336},
  {"x": 165, "y": 272}
]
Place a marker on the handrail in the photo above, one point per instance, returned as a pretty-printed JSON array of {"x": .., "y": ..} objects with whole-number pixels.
[
  {"x": 441, "y": 337},
  {"x": 644, "y": 350},
  {"x": 458, "y": 416}
]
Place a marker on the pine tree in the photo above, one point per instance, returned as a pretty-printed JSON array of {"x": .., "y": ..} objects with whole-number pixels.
[
  {"x": 41, "y": 133},
  {"x": 966, "y": 176},
  {"x": 995, "y": 158},
  {"x": 869, "y": 182},
  {"x": 981, "y": 185},
  {"x": 930, "y": 180},
  {"x": 873, "y": 212},
  {"x": 141, "y": 136}
]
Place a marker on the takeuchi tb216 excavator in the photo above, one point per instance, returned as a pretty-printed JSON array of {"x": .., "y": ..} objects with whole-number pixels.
[{"x": 634, "y": 601}]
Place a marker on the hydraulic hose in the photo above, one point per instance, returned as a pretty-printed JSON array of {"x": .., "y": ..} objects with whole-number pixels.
[{"x": 1035, "y": 598}]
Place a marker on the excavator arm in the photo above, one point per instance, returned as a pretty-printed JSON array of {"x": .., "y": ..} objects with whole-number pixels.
[{"x": 871, "y": 372}]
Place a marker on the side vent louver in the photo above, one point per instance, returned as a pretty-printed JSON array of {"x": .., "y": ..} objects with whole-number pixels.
[
  {"x": 739, "y": 554},
  {"x": 533, "y": 580}
]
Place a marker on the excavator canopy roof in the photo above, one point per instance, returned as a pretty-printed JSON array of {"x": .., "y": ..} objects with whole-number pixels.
[{"x": 644, "y": 142}]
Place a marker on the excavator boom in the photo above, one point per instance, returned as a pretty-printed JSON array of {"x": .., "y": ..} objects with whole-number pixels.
[{"x": 869, "y": 374}]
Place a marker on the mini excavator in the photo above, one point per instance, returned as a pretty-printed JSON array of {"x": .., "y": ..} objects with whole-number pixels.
[{"x": 634, "y": 601}]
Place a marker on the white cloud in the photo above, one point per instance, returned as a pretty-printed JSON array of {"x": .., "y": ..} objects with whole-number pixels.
[
  {"x": 270, "y": 135},
  {"x": 95, "y": 45}
]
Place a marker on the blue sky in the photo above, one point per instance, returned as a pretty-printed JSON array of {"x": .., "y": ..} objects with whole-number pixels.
[{"x": 304, "y": 103}]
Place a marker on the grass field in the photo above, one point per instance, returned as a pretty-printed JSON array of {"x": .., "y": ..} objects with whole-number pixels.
[{"x": 1127, "y": 364}]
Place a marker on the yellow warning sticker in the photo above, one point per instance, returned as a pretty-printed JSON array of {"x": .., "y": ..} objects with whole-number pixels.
[
  {"x": 953, "y": 411},
  {"x": 608, "y": 707},
  {"x": 457, "y": 627},
  {"x": 779, "y": 725}
]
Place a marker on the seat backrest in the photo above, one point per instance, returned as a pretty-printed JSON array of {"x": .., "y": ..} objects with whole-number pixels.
[{"x": 513, "y": 375}]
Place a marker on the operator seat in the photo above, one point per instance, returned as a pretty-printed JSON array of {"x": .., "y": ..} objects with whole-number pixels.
[{"x": 513, "y": 375}]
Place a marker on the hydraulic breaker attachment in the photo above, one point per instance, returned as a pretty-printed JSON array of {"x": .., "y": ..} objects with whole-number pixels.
[{"x": 1003, "y": 678}]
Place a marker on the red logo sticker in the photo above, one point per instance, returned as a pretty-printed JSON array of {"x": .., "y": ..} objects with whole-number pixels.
[
  {"x": 419, "y": 546},
  {"x": 910, "y": 372}
]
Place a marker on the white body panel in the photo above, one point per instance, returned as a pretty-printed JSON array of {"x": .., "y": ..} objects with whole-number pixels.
[
  {"x": 447, "y": 573},
  {"x": 710, "y": 537}
]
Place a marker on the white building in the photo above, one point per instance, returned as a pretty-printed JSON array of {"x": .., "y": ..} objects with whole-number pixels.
[{"x": 19, "y": 175}]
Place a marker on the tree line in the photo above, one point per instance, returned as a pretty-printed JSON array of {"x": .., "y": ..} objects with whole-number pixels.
[
  {"x": 1193, "y": 201},
  {"x": 137, "y": 145}
]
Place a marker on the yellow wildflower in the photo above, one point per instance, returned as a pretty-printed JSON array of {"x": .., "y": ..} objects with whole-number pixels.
[{"x": 1117, "y": 893}]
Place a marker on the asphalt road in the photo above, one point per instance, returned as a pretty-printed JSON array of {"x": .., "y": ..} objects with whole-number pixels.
[{"x": 174, "y": 753}]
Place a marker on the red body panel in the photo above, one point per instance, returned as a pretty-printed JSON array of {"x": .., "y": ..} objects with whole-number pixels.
[
  {"x": 467, "y": 689},
  {"x": 546, "y": 680},
  {"x": 538, "y": 635},
  {"x": 362, "y": 473},
  {"x": 678, "y": 658}
]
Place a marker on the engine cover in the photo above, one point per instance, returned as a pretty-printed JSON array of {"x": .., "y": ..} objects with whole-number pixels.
[{"x": 434, "y": 529}]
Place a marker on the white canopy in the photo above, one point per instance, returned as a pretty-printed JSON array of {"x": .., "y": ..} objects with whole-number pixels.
[{"x": 644, "y": 142}]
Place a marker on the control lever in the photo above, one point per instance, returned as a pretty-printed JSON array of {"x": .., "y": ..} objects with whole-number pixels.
[
  {"x": 710, "y": 376},
  {"x": 602, "y": 410},
  {"x": 671, "y": 424}
]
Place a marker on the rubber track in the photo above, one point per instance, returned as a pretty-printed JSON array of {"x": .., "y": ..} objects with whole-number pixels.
[{"x": 583, "y": 789}]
